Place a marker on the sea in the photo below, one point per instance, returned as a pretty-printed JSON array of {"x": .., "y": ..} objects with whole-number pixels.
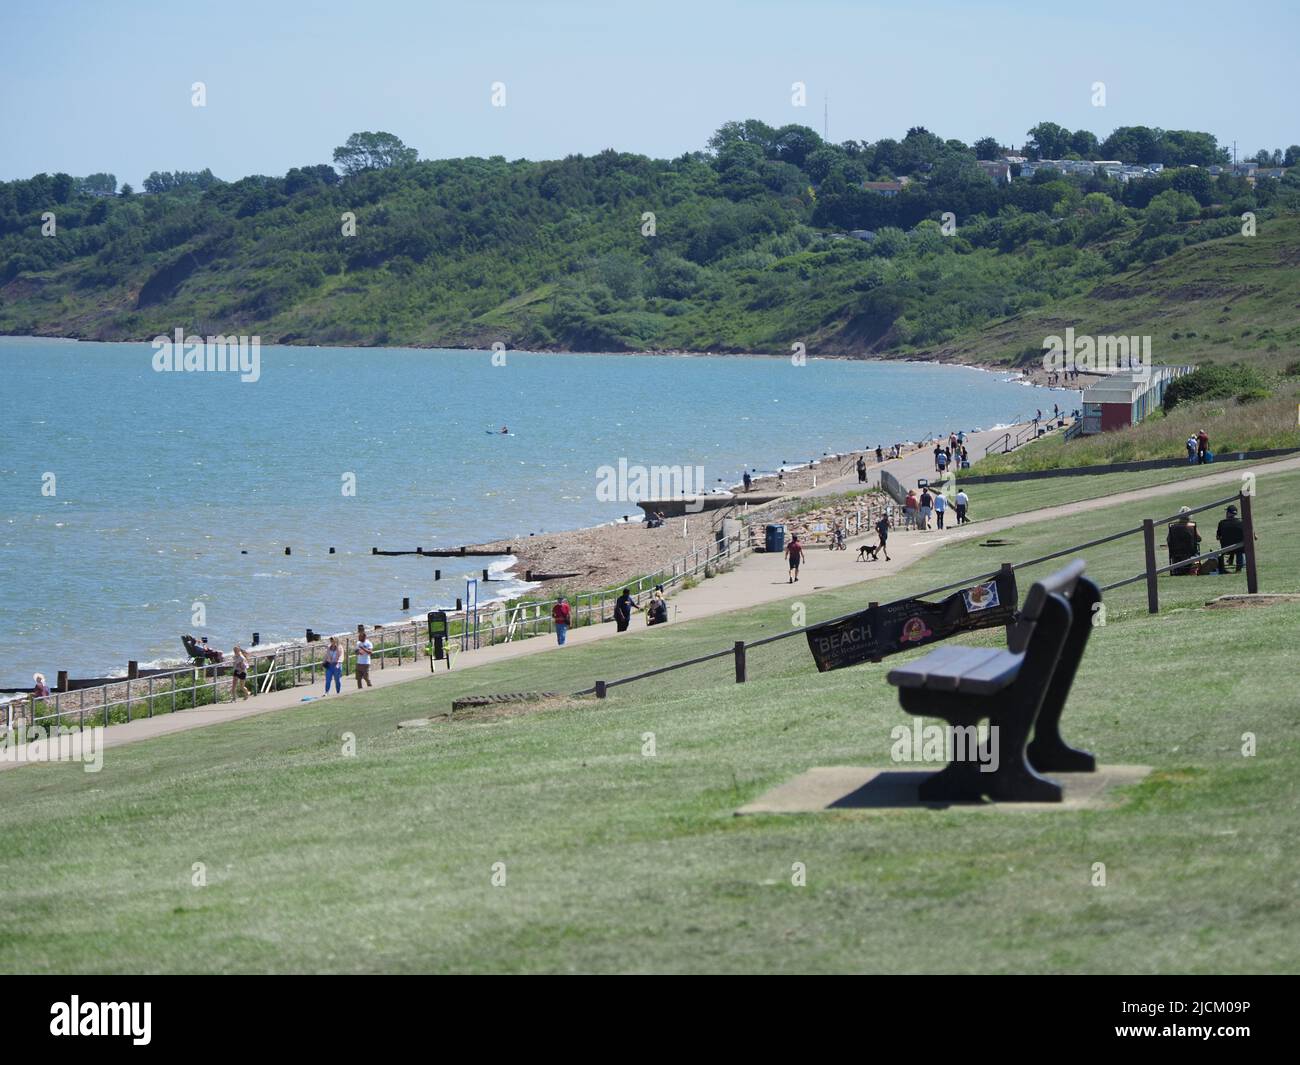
[{"x": 137, "y": 504}]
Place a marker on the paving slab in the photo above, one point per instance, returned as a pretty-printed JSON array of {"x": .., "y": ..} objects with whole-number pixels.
[{"x": 842, "y": 787}]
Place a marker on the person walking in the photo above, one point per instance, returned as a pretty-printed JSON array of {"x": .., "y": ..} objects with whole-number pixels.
[
  {"x": 862, "y": 470},
  {"x": 1231, "y": 531},
  {"x": 623, "y": 607},
  {"x": 910, "y": 507},
  {"x": 334, "y": 666},
  {"x": 880, "y": 454},
  {"x": 927, "y": 506},
  {"x": 561, "y": 615},
  {"x": 882, "y": 530},
  {"x": 940, "y": 505},
  {"x": 941, "y": 463},
  {"x": 361, "y": 665},
  {"x": 1202, "y": 446},
  {"x": 794, "y": 555},
  {"x": 748, "y": 480},
  {"x": 1192, "y": 449},
  {"x": 239, "y": 673},
  {"x": 961, "y": 501}
]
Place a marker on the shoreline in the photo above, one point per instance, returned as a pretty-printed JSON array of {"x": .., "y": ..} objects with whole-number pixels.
[
  {"x": 688, "y": 353},
  {"x": 609, "y": 553}
]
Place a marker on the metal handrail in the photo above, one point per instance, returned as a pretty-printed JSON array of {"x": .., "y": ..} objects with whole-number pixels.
[{"x": 191, "y": 682}]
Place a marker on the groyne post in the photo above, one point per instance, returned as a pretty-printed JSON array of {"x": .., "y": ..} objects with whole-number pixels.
[{"x": 740, "y": 662}]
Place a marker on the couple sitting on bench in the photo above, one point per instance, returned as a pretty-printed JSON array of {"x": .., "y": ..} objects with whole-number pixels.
[{"x": 1020, "y": 691}]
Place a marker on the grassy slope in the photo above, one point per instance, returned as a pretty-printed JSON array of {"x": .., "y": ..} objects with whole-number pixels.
[
  {"x": 622, "y": 862},
  {"x": 1235, "y": 298},
  {"x": 998, "y": 500}
]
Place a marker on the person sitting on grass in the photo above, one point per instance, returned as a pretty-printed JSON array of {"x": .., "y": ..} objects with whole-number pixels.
[
  {"x": 1230, "y": 531},
  {"x": 1183, "y": 542}
]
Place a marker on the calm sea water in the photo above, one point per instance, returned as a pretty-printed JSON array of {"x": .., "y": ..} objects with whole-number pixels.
[{"x": 161, "y": 480}]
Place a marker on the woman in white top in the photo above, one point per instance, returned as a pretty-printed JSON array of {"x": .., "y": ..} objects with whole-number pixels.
[{"x": 239, "y": 673}]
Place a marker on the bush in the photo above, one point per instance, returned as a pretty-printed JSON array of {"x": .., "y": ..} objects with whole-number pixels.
[{"x": 1217, "y": 381}]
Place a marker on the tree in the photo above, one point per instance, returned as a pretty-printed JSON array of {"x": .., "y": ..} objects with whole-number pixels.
[
  {"x": 169, "y": 181},
  {"x": 1186, "y": 147},
  {"x": 372, "y": 151},
  {"x": 98, "y": 184},
  {"x": 795, "y": 143},
  {"x": 1084, "y": 143},
  {"x": 1134, "y": 144},
  {"x": 1292, "y": 156},
  {"x": 1047, "y": 140},
  {"x": 1263, "y": 157},
  {"x": 126, "y": 192},
  {"x": 987, "y": 148}
]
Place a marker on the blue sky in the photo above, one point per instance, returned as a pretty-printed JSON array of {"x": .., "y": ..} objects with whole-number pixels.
[{"x": 88, "y": 86}]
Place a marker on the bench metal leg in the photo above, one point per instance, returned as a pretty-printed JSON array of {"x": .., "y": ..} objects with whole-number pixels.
[
  {"x": 1048, "y": 751},
  {"x": 1014, "y": 781}
]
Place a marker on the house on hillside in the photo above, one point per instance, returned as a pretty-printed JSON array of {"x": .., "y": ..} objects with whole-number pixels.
[
  {"x": 1124, "y": 399},
  {"x": 885, "y": 188},
  {"x": 998, "y": 171}
]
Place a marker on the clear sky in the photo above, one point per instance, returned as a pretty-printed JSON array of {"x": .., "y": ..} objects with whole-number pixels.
[{"x": 87, "y": 86}]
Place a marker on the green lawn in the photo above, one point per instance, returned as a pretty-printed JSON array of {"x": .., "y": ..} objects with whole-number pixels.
[
  {"x": 1015, "y": 497},
  {"x": 620, "y": 862}
]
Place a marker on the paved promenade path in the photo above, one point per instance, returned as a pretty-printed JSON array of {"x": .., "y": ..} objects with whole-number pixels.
[{"x": 759, "y": 579}]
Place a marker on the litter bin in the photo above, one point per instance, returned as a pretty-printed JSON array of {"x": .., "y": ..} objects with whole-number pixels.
[{"x": 775, "y": 542}]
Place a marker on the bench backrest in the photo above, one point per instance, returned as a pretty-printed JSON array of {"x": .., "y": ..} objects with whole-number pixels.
[{"x": 1060, "y": 583}]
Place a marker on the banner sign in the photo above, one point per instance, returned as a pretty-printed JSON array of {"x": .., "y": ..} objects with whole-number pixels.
[{"x": 907, "y": 623}]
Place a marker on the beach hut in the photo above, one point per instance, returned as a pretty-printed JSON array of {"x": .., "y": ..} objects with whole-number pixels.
[{"x": 1124, "y": 399}]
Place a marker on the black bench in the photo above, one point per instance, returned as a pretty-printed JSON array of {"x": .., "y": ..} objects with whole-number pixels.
[{"x": 1021, "y": 691}]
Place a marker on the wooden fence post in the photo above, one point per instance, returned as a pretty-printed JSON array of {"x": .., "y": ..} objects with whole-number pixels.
[
  {"x": 1248, "y": 542},
  {"x": 600, "y": 689},
  {"x": 740, "y": 661},
  {"x": 1149, "y": 543}
]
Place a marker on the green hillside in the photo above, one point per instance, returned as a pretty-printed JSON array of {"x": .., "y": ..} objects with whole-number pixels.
[
  {"x": 1235, "y": 298},
  {"x": 743, "y": 246}
]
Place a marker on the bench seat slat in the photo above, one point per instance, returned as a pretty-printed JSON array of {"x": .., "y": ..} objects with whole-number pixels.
[
  {"x": 914, "y": 674},
  {"x": 944, "y": 670},
  {"x": 992, "y": 675}
]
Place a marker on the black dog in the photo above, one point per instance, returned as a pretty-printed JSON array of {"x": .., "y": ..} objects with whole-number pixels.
[{"x": 873, "y": 550}]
